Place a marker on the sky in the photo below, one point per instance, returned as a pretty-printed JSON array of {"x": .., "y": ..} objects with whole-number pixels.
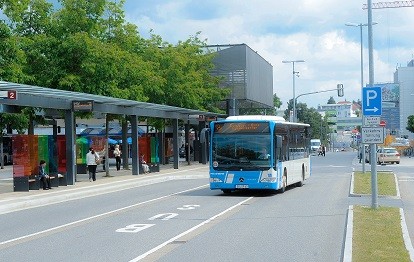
[{"x": 310, "y": 30}]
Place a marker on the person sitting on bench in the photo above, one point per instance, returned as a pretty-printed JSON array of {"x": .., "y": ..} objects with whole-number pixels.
[
  {"x": 144, "y": 164},
  {"x": 45, "y": 178}
]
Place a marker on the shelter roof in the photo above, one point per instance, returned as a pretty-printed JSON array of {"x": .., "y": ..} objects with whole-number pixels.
[{"x": 48, "y": 98}]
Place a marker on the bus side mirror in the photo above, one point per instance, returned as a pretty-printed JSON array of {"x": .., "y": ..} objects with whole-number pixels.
[
  {"x": 279, "y": 141},
  {"x": 203, "y": 135}
]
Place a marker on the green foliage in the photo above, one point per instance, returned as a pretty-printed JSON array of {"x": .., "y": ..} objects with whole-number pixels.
[
  {"x": 77, "y": 16},
  {"x": 331, "y": 101},
  {"x": 319, "y": 125},
  {"x": 410, "y": 124},
  {"x": 186, "y": 74},
  {"x": 87, "y": 46},
  {"x": 12, "y": 58},
  {"x": 19, "y": 122}
]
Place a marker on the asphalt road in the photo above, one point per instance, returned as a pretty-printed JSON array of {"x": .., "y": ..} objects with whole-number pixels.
[{"x": 183, "y": 220}]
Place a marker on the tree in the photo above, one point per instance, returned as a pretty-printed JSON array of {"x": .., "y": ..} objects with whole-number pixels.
[
  {"x": 331, "y": 100},
  {"x": 319, "y": 125},
  {"x": 17, "y": 121},
  {"x": 87, "y": 46},
  {"x": 185, "y": 70},
  {"x": 410, "y": 124},
  {"x": 277, "y": 103}
]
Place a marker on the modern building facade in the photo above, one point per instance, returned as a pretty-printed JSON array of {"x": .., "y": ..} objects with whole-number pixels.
[
  {"x": 391, "y": 107},
  {"x": 404, "y": 76},
  {"x": 341, "y": 116},
  {"x": 248, "y": 75}
]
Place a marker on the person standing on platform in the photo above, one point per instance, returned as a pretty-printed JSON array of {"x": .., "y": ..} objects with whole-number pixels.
[
  {"x": 188, "y": 152},
  {"x": 45, "y": 178},
  {"x": 92, "y": 160},
  {"x": 117, "y": 154}
]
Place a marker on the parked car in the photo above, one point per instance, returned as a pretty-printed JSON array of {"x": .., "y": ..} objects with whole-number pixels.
[
  {"x": 385, "y": 155},
  {"x": 388, "y": 155}
]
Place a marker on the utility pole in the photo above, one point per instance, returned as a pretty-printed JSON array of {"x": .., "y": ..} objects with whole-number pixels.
[{"x": 374, "y": 179}]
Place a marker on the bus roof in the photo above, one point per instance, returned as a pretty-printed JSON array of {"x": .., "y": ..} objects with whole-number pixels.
[
  {"x": 257, "y": 117},
  {"x": 277, "y": 119}
]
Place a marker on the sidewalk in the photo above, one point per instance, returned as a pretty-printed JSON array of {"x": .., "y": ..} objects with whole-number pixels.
[{"x": 117, "y": 180}]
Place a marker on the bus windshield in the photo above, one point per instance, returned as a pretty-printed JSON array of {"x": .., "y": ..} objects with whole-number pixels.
[{"x": 241, "y": 151}]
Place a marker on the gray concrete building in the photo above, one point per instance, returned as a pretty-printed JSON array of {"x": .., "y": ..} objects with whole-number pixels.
[{"x": 405, "y": 77}]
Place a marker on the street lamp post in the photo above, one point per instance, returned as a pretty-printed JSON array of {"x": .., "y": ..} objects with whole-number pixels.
[
  {"x": 360, "y": 25},
  {"x": 294, "y": 74}
]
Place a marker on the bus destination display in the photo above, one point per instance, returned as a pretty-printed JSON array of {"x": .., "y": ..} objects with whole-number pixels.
[{"x": 245, "y": 127}]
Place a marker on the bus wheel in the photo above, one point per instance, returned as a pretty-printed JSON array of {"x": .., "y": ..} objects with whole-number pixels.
[
  {"x": 226, "y": 191},
  {"x": 284, "y": 183}
]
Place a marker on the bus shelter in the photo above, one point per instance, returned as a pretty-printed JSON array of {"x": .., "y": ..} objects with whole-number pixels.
[{"x": 56, "y": 102}]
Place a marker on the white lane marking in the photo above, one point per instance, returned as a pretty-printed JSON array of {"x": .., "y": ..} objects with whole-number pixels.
[
  {"x": 397, "y": 187},
  {"x": 188, "y": 207},
  {"x": 134, "y": 228},
  {"x": 188, "y": 231},
  {"x": 166, "y": 216},
  {"x": 96, "y": 216}
]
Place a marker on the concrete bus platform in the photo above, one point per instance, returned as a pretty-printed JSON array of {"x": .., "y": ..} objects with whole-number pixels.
[{"x": 11, "y": 201}]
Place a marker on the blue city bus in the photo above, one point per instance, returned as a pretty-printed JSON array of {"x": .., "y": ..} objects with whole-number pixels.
[{"x": 258, "y": 152}]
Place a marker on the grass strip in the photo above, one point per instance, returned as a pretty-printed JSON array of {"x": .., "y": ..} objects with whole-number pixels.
[
  {"x": 386, "y": 183},
  {"x": 377, "y": 235}
]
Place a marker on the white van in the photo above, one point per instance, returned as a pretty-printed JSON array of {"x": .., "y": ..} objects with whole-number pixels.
[{"x": 314, "y": 145}]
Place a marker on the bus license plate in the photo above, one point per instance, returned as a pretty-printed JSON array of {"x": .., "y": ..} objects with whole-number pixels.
[{"x": 242, "y": 186}]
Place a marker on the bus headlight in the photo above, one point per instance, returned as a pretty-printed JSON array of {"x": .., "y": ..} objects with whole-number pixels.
[{"x": 215, "y": 180}]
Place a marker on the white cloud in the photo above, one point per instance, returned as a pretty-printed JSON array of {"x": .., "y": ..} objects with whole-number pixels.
[{"x": 312, "y": 30}]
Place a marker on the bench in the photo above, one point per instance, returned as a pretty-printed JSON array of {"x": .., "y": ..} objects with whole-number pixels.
[
  {"x": 32, "y": 182},
  {"x": 153, "y": 167}
]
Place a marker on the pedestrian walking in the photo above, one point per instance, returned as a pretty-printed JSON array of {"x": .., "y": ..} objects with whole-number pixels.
[
  {"x": 92, "y": 160},
  {"x": 117, "y": 154}
]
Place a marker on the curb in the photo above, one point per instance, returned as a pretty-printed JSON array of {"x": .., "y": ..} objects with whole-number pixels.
[
  {"x": 348, "y": 235},
  {"x": 54, "y": 197},
  {"x": 406, "y": 236},
  {"x": 352, "y": 194}
]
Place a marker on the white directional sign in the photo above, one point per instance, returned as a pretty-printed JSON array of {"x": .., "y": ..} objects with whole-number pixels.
[
  {"x": 371, "y": 101},
  {"x": 372, "y": 120},
  {"x": 372, "y": 135}
]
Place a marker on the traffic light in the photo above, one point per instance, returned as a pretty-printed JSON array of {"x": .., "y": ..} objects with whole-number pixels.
[{"x": 340, "y": 88}]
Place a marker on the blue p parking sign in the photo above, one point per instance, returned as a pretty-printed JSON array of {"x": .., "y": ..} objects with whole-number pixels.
[{"x": 371, "y": 101}]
